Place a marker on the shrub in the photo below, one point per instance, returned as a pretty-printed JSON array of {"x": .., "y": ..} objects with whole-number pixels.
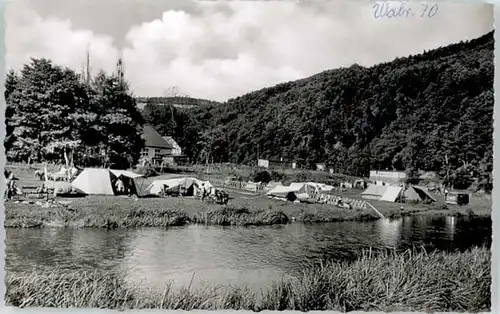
[{"x": 262, "y": 176}]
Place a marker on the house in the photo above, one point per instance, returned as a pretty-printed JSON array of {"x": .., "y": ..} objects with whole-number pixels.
[
  {"x": 387, "y": 176},
  {"x": 276, "y": 164},
  {"x": 177, "y": 157},
  {"x": 263, "y": 163},
  {"x": 176, "y": 149},
  {"x": 320, "y": 167},
  {"x": 156, "y": 148}
]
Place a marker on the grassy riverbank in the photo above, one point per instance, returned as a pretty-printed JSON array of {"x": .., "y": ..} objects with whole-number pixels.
[
  {"x": 408, "y": 281},
  {"x": 124, "y": 212}
]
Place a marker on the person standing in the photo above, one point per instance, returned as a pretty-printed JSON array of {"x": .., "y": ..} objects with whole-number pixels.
[
  {"x": 203, "y": 192},
  {"x": 120, "y": 186}
]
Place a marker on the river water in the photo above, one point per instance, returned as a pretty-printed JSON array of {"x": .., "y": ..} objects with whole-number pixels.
[{"x": 251, "y": 256}]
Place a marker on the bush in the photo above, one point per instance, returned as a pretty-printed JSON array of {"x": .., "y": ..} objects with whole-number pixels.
[
  {"x": 277, "y": 175},
  {"x": 262, "y": 176}
]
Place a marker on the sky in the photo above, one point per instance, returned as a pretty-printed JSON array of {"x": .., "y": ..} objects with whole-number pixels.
[{"x": 222, "y": 49}]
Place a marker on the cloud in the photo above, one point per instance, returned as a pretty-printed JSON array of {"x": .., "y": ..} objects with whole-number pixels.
[{"x": 218, "y": 50}]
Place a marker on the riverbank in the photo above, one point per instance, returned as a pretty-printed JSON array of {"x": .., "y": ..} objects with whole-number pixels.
[
  {"x": 244, "y": 210},
  {"x": 409, "y": 281},
  {"x": 124, "y": 212}
]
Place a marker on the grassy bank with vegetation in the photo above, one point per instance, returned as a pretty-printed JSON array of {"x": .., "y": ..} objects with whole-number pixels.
[
  {"x": 124, "y": 212},
  {"x": 243, "y": 210},
  {"x": 409, "y": 281}
]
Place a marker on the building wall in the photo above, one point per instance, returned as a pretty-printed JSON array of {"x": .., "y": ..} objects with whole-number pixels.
[
  {"x": 280, "y": 164},
  {"x": 176, "y": 149},
  {"x": 152, "y": 152},
  {"x": 264, "y": 163},
  {"x": 388, "y": 176}
]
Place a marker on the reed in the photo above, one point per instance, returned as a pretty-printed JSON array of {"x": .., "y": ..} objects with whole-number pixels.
[
  {"x": 408, "y": 281},
  {"x": 240, "y": 217}
]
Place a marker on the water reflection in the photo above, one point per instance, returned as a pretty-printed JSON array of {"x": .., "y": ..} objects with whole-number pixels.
[
  {"x": 451, "y": 224},
  {"x": 252, "y": 256},
  {"x": 390, "y": 231}
]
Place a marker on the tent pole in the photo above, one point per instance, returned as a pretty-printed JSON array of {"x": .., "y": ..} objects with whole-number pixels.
[{"x": 373, "y": 207}]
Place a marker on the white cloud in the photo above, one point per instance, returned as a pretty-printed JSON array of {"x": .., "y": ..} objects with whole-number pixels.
[
  {"x": 246, "y": 46},
  {"x": 56, "y": 39}
]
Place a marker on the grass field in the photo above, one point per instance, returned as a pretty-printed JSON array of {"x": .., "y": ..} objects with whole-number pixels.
[
  {"x": 411, "y": 281},
  {"x": 244, "y": 209}
]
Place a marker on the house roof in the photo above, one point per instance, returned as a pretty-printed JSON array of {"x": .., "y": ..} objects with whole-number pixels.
[
  {"x": 170, "y": 140},
  {"x": 153, "y": 138}
]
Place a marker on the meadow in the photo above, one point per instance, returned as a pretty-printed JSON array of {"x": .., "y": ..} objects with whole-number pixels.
[
  {"x": 376, "y": 281},
  {"x": 244, "y": 208}
]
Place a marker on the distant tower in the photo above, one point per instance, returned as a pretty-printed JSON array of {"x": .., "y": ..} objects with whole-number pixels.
[
  {"x": 88, "y": 67},
  {"x": 86, "y": 78},
  {"x": 120, "y": 68}
]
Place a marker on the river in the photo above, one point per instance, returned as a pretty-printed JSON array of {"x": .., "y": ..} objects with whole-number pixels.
[{"x": 251, "y": 256}]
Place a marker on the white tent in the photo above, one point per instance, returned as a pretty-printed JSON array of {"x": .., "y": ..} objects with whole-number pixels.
[
  {"x": 281, "y": 191},
  {"x": 157, "y": 185},
  {"x": 374, "y": 192},
  {"x": 271, "y": 185},
  {"x": 391, "y": 194},
  {"x": 252, "y": 186},
  {"x": 100, "y": 181}
]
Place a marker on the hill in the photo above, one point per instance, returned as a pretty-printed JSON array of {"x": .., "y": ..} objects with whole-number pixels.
[
  {"x": 177, "y": 101},
  {"x": 432, "y": 111}
]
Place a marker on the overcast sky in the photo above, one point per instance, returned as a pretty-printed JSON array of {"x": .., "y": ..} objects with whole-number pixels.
[{"x": 221, "y": 49}]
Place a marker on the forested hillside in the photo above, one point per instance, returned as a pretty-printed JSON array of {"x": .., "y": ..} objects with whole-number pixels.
[
  {"x": 431, "y": 112},
  {"x": 174, "y": 100}
]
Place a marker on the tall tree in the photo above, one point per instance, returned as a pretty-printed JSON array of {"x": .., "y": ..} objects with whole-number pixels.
[
  {"x": 11, "y": 81},
  {"x": 119, "y": 120},
  {"x": 46, "y": 101}
]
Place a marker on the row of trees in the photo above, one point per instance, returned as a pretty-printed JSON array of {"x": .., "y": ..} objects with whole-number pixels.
[
  {"x": 53, "y": 112},
  {"x": 430, "y": 112}
]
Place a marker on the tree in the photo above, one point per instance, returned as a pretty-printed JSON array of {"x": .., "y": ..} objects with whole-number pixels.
[
  {"x": 119, "y": 121},
  {"x": 45, "y": 102},
  {"x": 11, "y": 81}
]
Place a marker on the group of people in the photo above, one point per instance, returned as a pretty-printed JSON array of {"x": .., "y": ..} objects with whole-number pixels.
[
  {"x": 214, "y": 195},
  {"x": 206, "y": 193},
  {"x": 124, "y": 187}
]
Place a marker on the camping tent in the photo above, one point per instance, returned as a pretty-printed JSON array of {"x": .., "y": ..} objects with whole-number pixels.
[
  {"x": 271, "y": 185},
  {"x": 190, "y": 184},
  {"x": 300, "y": 190},
  {"x": 100, "y": 181},
  {"x": 374, "y": 192},
  {"x": 397, "y": 193},
  {"x": 284, "y": 192},
  {"x": 417, "y": 194},
  {"x": 252, "y": 186},
  {"x": 305, "y": 187},
  {"x": 391, "y": 194}
]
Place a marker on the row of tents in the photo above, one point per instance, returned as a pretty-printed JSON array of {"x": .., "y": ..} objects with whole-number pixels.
[
  {"x": 96, "y": 181},
  {"x": 305, "y": 191},
  {"x": 301, "y": 191}
]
